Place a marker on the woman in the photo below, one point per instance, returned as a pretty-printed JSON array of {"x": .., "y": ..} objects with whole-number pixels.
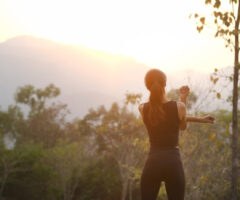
[{"x": 163, "y": 120}]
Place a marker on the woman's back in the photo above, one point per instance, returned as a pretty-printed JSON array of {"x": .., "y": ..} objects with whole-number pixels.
[
  {"x": 165, "y": 134},
  {"x": 164, "y": 159}
]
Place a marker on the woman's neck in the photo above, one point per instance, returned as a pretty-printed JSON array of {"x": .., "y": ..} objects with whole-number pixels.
[{"x": 165, "y": 100}]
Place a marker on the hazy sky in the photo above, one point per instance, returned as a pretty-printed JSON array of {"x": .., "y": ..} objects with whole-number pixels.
[{"x": 156, "y": 32}]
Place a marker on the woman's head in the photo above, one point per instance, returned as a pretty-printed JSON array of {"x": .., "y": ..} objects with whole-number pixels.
[
  {"x": 155, "y": 81},
  {"x": 155, "y": 76}
]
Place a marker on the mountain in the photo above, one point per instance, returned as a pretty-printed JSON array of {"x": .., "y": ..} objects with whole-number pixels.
[{"x": 87, "y": 78}]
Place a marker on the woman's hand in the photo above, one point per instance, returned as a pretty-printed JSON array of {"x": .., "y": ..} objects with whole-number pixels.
[
  {"x": 184, "y": 92},
  {"x": 208, "y": 119}
]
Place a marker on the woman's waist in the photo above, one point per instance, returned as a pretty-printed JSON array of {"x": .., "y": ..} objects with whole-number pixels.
[{"x": 164, "y": 150}]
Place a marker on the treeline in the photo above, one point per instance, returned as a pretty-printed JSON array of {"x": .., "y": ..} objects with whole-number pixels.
[{"x": 100, "y": 157}]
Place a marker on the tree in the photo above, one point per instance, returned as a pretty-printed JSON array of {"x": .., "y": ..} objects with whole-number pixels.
[
  {"x": 227, "y": 27},
  {"x": 36, "y": 99},
  {"x": 10, "y": 121},
  {"x": 205, "y": 150},
  {"x": 45, "y": 122},
  {"x": 100, "y": 179},
  {"x": 67, "y": 160},
  {"x": 118, "y": 132},
  {"x": 23, "y": 174}
]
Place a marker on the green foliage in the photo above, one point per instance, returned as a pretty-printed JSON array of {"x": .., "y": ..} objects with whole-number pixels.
[
  {"x": 223, "y": 20},
  {"x": 101, "y": 156},
  {"x": 10, "y": 120},
  {"x": 133, "y": 98},
  {"x": 67, "y": 160},
  {"x": 118, "y": 132},
  {"x": 44, "y": 123},
  {"x": 100, "y": 180},
  {"x": 35, "y": 98},
  {"x": 205, "y": 151},
  {"x": 23, "y": 173}
]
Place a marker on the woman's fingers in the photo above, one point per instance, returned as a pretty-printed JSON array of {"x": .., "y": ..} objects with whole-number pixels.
[
  {"x": 185, "y": 88},
  {"x": 209, "y": 119},
  {"x": 184, "y": 91}
]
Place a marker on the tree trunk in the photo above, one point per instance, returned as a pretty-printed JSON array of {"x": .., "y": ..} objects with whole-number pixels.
[
  {"x": 130, "y": 190},
  {"x": 234, "y": 112},
  {"x": 124, "y": 189},
  {"x": 235, "y": 136},
  {"x": 4, "y": 180}
]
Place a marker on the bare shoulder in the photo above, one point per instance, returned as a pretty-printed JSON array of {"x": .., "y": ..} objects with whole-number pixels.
[
  {"x": 181, "y": 105},
  {"x": 181, "y": 109},
  {"x": 140, "y": 108}
]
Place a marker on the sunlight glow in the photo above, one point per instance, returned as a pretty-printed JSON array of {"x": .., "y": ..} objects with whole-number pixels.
[{"x": 152, "y": 31}]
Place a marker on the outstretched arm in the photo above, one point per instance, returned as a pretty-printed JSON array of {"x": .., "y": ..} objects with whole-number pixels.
[
  {"x": 184, "y": 92},
  {"x": 205, "y": 119}
]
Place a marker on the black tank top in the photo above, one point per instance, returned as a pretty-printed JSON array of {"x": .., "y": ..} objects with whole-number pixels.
[{"x": 165, "y": 134}]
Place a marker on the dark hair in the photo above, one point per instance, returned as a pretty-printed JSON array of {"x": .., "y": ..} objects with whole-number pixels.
[{"x": 155, "y": 81}]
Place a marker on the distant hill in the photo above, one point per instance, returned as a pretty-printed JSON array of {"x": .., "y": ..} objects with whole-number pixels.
[{"x": 87, "y": 78}]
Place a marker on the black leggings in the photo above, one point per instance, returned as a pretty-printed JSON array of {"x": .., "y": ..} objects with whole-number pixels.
[{"x": 163, "y": 165}]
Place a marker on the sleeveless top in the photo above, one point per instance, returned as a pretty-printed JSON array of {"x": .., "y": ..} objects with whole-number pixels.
[{"x": 165, "y": 134}]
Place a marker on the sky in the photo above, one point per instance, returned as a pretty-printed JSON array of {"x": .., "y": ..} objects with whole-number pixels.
[{"x": 158, "y": 33}]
